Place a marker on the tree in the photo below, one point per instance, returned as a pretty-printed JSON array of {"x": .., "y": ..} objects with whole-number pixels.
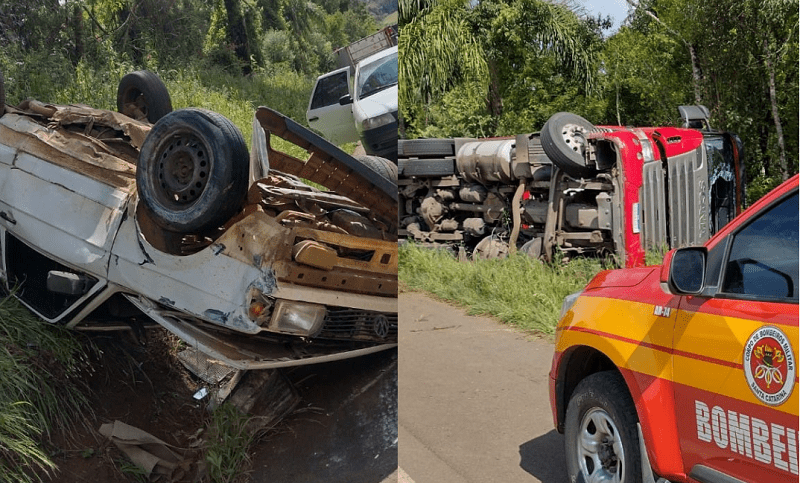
[
  {"x": 436, "y": 50},
  {"x": 739, "y": 59},
  {"x": 446, "y": 42},
  {"x": 647, "y": 75}
]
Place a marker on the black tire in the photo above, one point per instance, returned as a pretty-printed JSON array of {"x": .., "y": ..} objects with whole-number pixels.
[
  {"x": 382, "y": 166},
  {"x": 602, "y": 398},
  {"x": 2, "y": 94},
  {"x": 192, "y": 172},
  {"x": 564, "y": 142},
  {"x": 412, "y": 148},
  {"x": 427, "y": 167},
  {"x": 142, "y": 95}
]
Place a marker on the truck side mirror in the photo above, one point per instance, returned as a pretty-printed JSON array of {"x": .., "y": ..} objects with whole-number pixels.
[
  {"x": 695, "y": 117},
  {"x": 687, "y": 270},
  {"x": 345, "y": 100}
]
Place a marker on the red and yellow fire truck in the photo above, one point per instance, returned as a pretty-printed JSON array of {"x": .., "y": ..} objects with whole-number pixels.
[{"x": 687, "y": 371}]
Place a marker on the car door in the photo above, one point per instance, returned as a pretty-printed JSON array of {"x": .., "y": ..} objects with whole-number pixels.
[
  {"x": 62, "y": 200},
  {"x": 735, "y": 354},
  {"x": 325, "y": 114}
]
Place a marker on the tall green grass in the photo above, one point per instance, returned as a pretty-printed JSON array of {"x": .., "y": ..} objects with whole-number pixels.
[
  {"x": 518, "y": 290},
  {"x": 205, "y": 86},
  {"x": 39, "y": 390},
  {"x": 227, "y": 445}
]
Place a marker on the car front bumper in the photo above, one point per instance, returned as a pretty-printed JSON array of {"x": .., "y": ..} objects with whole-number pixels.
[{"x": 381, "y": 141}]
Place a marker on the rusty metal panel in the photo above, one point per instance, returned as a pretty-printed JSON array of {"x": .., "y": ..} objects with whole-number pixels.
[
  {"x": 71, "y": 150},
  {"x": 331, "y": 167},
  {"x": 383, "y": 254},
  {"x": 688, "y": 199},
  {"x": 653, "y": 207},
  {"x": 337, "y": 279}
]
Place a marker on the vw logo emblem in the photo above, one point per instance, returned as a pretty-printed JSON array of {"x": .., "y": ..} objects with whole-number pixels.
[{"x": 380, "y": 324}]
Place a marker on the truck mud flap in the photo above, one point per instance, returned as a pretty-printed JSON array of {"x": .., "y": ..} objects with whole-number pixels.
[
  {"x": 246, "y": 352},
  {"x": 330, "y": 167},
  {"x": 426, "y": 167}
]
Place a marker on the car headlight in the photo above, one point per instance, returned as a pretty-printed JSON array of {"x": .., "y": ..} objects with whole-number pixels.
[
  {"x": 297, "y": 318},
  {"x": 375, "y": 122},
  {"x": 569, "y": 301}
]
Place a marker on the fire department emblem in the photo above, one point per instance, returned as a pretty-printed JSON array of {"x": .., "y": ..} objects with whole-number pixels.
[{"x": 769, "y": 365}]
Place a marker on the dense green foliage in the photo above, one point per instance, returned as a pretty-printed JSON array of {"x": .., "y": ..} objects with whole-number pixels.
[
  {"x": 518, "y": 290},
  {"x": 77, "y": 50},
  {"x": 466, "y": 70},
  {"x": 527, "y": 59},
  {"x": 38, "y": 388}
]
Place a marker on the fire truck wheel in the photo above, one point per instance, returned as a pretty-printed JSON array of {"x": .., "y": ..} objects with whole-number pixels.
[
  {"x": 564, "y": 142},
  {"x": 382, "y": 166},
  {"x": 143, "y": 96},
  {"x": 601, "y": 439},
  {"x": 192, "y": 171},
  {"x": 2, "y": 94}
]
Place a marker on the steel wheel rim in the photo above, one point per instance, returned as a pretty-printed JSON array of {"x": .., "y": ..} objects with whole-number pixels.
[
  {"x": 134, "y": 103},
  {"x": 573, "y": 136},
  {"x": 182, "y": 170},
  {"x": 601, "y": 456}
]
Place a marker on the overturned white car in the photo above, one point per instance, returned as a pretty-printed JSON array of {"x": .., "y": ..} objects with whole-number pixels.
[{"x": 106, "y": 218}]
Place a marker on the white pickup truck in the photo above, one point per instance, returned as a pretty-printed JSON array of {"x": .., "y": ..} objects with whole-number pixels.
[{"x": 359, "y": 101}]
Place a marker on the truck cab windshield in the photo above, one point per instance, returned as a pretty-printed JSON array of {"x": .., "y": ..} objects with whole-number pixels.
[{"x": 722, "y": 166}]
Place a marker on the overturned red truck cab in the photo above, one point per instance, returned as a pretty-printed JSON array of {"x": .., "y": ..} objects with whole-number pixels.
[{"x": 574, "y": 188}]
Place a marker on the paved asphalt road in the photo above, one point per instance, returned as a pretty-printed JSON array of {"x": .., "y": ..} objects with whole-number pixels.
[
  {"x": 473, "y": 403},
  {"x": 345, "y": 430}
]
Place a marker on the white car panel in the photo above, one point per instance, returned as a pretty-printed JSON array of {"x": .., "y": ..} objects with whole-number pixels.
[{"x": 325, "y": 114}]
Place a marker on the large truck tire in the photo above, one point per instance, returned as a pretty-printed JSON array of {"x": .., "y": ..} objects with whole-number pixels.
[
  {"x": 192, "y": 172},
  {"x": 142, "y": 95},
  {"x": 564, "y": 141},
  {"x": 427, "y": 168},
  {"x": 382, "y": 166},
  {"x": 416, "y": 148}
]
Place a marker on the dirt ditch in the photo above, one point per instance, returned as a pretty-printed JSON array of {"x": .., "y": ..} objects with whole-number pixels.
[{"x": 343, "y": 427}]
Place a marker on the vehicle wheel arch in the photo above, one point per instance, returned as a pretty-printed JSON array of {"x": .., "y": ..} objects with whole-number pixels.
[
  {"x": 577, "y": 363},
  {"x": 580, "y": 362}
]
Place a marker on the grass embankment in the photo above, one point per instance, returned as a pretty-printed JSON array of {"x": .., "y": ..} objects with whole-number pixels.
[
  {"x": 207, "y": 87},
  {"x": 38, "y": 389},
  {"x": 517, "y": 290},
  {"x": 229, "y": 440}
]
